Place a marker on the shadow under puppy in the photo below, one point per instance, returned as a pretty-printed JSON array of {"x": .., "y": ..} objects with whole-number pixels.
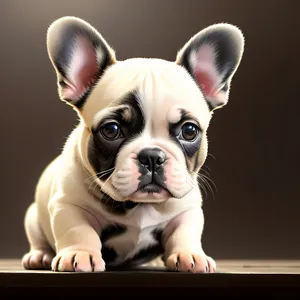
[{"x": 124, "y": 189}]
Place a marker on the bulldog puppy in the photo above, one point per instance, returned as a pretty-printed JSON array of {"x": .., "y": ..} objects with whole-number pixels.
[{"x": 124, "y": 190}]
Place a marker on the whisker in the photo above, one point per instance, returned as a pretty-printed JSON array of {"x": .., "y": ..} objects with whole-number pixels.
[
  {"x": 206, "y": 172},
  {"x": 94, "y": 184},
  {"x": 203, "y": 188},
  {"x": 205, "y": 182},
  {"x": 100, "y": 173},
  {"x": 97, "y": 177},
  {"x": 207, "y": 167},
  {"x": 206, "y": 177},
  {"x": 208, "y": 185},
  {"x": 209, "y": 154},
  {"x": 105, "y": 182}
]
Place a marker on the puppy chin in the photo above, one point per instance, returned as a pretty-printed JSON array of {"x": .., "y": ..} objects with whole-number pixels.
[{"x": 150, "y": 197}]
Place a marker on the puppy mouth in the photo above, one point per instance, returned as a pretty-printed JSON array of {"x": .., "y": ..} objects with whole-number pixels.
[
  {"x": 155, "y": 189},
  {"x": 152, "y": 182},
  {"x": 151, "y": 188}
]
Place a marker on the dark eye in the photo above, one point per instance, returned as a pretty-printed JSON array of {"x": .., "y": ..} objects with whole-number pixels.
[
  {"x": 189, "y": 131},
  {"x": 111, "y": 131}
]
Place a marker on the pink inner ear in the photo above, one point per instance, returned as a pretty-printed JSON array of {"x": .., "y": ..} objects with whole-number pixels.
[
  {"x": 205, "y": 82},
  {"x": 83, "y": 69},
  {"x": 204, "y": 69}
]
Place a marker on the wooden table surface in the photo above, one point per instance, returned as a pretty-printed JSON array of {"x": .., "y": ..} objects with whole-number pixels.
[
  {"x": 224, "y": 266},
  {"x": 279, "y": 276}
]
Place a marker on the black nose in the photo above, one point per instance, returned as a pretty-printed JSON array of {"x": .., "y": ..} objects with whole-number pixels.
[{"x": 151, "y": 158}]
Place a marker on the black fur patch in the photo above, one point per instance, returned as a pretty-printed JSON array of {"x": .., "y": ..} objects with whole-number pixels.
[
  {"x": 151, "y": 252},
  {"x": 111, "y": 231},
  {"x": 157, "y": 234},
  {"x": 147, "y": 254},
  {"x": 189, "y": 148},
  {"x": 101, "y": 152},
  {"x": 109, "y": 255},
  {"x": 116, "y": 207}
]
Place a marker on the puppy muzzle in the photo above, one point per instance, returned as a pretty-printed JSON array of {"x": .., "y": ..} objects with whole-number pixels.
[{"x": 152, "y": 179}]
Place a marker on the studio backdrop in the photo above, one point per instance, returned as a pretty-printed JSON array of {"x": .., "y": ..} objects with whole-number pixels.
[{"x": 252, "y": 203}]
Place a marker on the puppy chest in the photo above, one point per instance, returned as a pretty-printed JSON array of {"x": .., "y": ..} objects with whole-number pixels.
[{"x": 121, "y": 244}]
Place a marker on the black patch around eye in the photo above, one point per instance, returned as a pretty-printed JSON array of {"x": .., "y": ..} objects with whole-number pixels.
[
  {"x": 137, "y": 121},
  {"x": 101, "y": 152},
  {"x": 189, "y": 148},
  {"x": 101, "y": 159},
  {"x": 115, "y": 115}
]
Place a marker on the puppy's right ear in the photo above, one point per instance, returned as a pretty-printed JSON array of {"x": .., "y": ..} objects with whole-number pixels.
[{"x": 79, "y": 55}]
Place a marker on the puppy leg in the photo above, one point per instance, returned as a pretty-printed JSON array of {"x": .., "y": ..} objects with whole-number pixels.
[
  {"x": 40, "y": 255},
  {"x": 78, "y": 244},
  {"x": 182, "y": 244}
]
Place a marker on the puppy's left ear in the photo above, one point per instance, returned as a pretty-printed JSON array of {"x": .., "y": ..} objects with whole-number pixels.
[
  {"x": 212, "y": 57},
  {"x": 79, "y": 55}
]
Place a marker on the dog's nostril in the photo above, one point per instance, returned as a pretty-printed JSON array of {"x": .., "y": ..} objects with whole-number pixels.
[
  {"x": 152, "y": 157},
  {"x": 161, "y": 158},
  {"x": 144, "y": 159}
]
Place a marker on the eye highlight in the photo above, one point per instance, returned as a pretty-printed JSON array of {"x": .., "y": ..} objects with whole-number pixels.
[
  {"x": 111, "y": 131},
  {"x": 189, "y": 131}
]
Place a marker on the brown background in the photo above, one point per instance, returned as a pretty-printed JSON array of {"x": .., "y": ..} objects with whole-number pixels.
[{"x": 254, "y": 140}]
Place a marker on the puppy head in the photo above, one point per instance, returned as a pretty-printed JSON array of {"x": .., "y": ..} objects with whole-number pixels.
[{"x": 144, "y": 120}]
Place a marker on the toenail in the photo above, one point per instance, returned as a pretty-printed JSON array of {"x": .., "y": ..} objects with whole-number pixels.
[{"x": 193, "y": 266}]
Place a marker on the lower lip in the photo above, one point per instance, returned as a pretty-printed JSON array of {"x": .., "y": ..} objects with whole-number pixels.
[
  {"x": 144, "y": 196},
  {"x": 151, "y": 188}
]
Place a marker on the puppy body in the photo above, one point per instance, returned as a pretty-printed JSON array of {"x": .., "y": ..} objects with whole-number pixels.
[
  {"x": 132, "y": 230},
  {"x": 124, "y": 189}
]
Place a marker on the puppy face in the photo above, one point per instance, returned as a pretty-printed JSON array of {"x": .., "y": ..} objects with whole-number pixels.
[{"x": 144, "y": 120}]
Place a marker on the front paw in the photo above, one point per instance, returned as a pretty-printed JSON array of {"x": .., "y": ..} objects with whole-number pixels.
[
  {"x": 189, "y": 262},
  {"x": 38, "y": 260},
  {"x": 78, "y": 261}
]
